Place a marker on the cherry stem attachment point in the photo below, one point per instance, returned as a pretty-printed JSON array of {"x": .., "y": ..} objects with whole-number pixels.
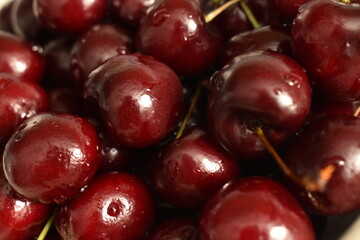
[
  {"x": 213, "y": 14},
  {"x": 254, "y": 22},
  {"x": 47, "y": 226},
  {"x": 191, "y": 109},
  {"x": 310, "y": 185}
]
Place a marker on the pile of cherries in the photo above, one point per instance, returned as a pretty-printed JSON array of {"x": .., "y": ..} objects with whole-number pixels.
[{"x": 178, "y": 119}]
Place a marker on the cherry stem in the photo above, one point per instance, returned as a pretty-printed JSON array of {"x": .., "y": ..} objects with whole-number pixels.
[
  {"x": 357, "y": 112},
  {"x": 345, "y": 1},
  {"x": 324, "y": 175},
  {"x": 191, "y": 109},
  {"x": 213, "y": 14},
  {"x": 254, "y": 22},
  {"x": 47, "y": 226}
]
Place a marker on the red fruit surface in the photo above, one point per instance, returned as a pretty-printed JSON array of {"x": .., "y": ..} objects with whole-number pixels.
[
  {"x": 254, "y": 208},
  {"x": 115, "y": 206},
  {"x": 51, "y": 156}
]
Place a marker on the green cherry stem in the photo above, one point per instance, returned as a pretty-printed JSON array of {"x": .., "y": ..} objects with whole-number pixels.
[
  {"x": 254, "y": 22},
  {"x": 310, "y": 185},
  {"x": 213, "y": 14},
  {"x": 47, "y": 226},
  {"x": 191, "y": 109}
]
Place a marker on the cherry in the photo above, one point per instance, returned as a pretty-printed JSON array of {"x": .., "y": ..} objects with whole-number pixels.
[
  {"x": 140, "y": 99},
  {"x": 5, "y": 12},
  {"x": 184, "y": 228},
  {"x": 96, "y": 45},
  {"x": 57, "y": 62},
  {"x": 69, "y": 16},
  {"x": 175, "y": 32},
  {"x": 20, "y": 218},
  {"x": 25, "y": 24},
  {"x": 254, "y": 208},
  {"x": 19, "y": 58},
  {"x": 64, "y": 152},
  {"x": 262, "y": 88},
  {"x": 329, "y": 54},
  {"x": 113, "y": 206},
  {"x": 19, "y": 100},
  {"x": 265, "y": 38},
  {"x": 129, "y": 12},
  {"x": 191, "y": 169},
  {"x": 326, "y": 142}
]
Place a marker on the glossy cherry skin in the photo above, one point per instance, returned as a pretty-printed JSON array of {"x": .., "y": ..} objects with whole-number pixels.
[
  {"x": 5, "y": 12},
  {"x": 129, "y": 12},
  {"x": 19, "y": 58},
  {"x": 331, "y": 54},
  {"x": 254, "y": 208},
  {"x": 262, "y": 88},
  {"x": 57, "y": 63},
  {"x": 25, "y": 24},
  {"x": 285, "y": 9},
  {"x": 20, "y": 218},
  {"x": 264, "y": 38},
  {"x": 140, "y": 99},
  {"x": 96, "y": 45},
  {"x": 69, "y": 16},
  {"x": 192, "y": 169},
  {"x": 184, "y": 228},
  {"x": 175, "y": 32},
  {"x": 113, "y": 206},
  {"x": 331, "y": 140},
  {"x": 64, "y": 152},
  {"x": 19, "y": 100}
]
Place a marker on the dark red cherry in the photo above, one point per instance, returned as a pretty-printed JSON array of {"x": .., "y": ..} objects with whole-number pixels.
[
  {"x": 265, "y": 38},
  {"x": 113, "y": 206},
  {"x": 25, "y": 24},
  {"x": 19, "y": 58},
  {"x": 65, "y": 100},
  {"x": 57, "y": 62},
  {"x": 5, "y": 12},
  {"x": 140, "y": 99},
  {"x": 96, "y": 45},
  {"x": 329, "y": 141},
  {"x": 184, "y": 228},
  {"x": 19, "y": 100},
  {"x": 60, "y": 153},
  {"x": 175, "y": 32},
  {"x": 20, "y": 218},
  {"x": 254, "y": 208},
  {"x": 129, "y": 11},
  {"x": 285, "y": 9},
  {"x": 262, "y": 88},
  {"x": 69, "y": 16},
  {"x": 330, "y": 54},
  {"x": 192, "y": 169}
]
